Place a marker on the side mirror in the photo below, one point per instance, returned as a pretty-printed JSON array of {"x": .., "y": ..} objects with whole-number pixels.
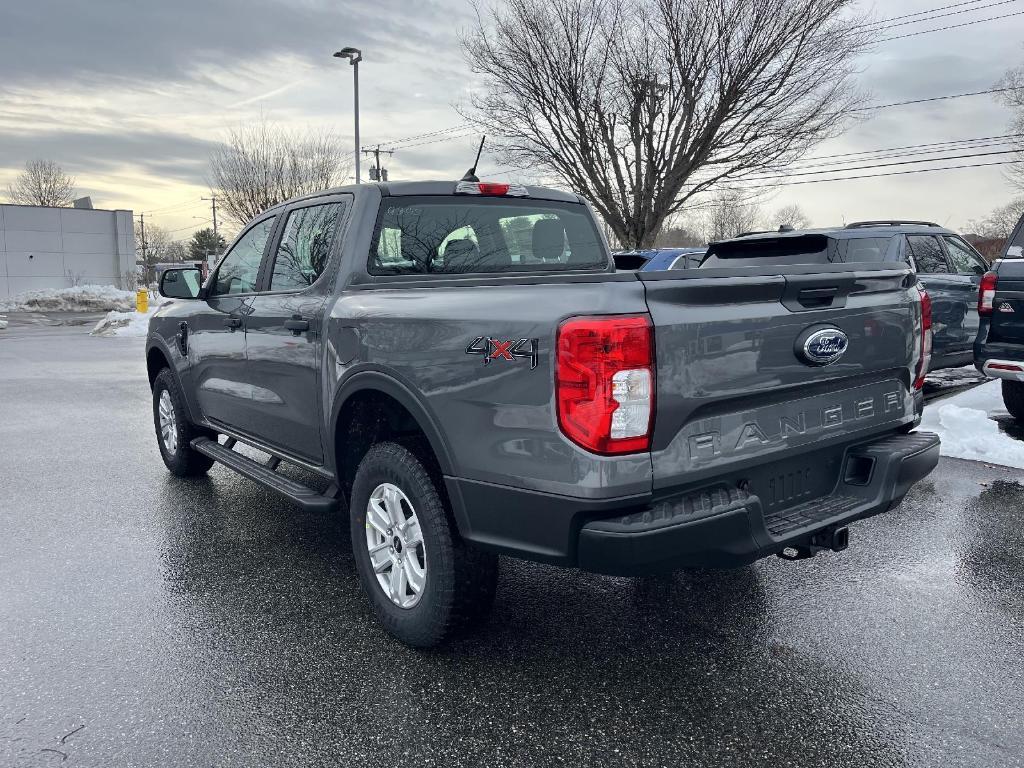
[{"x": 182, "y": 283}]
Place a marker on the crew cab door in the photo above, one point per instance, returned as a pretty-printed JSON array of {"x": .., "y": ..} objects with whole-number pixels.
[
  {"x": 284, "y": 329},
  {"x": 949, "y": 295},
  {"x": 216, "y": 331}
]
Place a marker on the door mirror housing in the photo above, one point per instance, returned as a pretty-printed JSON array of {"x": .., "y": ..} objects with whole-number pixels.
[{"x": 185, "y": 283}]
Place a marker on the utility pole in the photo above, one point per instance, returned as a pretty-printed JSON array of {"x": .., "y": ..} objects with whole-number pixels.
[
  {"x": 379, "y": 173},
  {"x": 213, "y": 204},
  {"x": 145, "y": 256}
]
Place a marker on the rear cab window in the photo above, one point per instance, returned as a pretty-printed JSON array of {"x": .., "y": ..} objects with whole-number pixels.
[
  {"x": 799, "y": 249},
  {"x": 466, "y": 235}
]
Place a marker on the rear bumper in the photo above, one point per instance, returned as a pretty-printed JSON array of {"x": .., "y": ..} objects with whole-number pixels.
[
  {"x": 713, "y": 526},
  {"x": 1001, "y": 368},
  {"x": 999, "y": 354}
]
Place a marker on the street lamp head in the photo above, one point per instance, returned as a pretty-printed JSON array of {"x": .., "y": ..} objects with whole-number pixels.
[{"x": 354, "y": 55}]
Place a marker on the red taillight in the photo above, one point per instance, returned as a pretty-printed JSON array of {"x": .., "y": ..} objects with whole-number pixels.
[
  {"x": 491, "y": 188},
  {"x": 604, "y": 382},
  {"x": 987, "y": 293},
  {"x": 926, "y": 339}
]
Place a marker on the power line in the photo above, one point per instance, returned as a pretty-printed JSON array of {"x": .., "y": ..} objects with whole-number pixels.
[
  {"x": 190, "y": 226},
  {"x": 926, "y": 12},
  {"x": 915, "y": 146},
  {"x": 799, "y": 166},
  {"x": 880, "y": 165},
  {"x": 173, "y": 206},
  {"x": 932, "y": 98},
  {"x": 951, "y": 26},
  {"x": 938, "y": 15},
  {"x": 876, "y": 175}
]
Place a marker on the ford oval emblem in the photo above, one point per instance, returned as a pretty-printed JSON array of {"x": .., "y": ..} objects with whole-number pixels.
[{"x": 823, "y": 347}]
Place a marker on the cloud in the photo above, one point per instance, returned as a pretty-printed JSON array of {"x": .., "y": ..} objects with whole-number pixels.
[{"x": 130, "y": 96}]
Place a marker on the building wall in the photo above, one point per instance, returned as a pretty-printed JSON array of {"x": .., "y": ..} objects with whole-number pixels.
[{"x": 59, "y": 247}]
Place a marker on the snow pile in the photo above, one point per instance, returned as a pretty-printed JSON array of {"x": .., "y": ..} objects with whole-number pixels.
[
  {"x": 85, "y": 298},
  {"x": 127, "y": 323},
  {"x": 966, "y": 428},
  {"x": 3, "y": 322}
]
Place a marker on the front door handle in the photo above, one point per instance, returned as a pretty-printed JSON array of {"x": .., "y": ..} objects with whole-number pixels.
[
  {"x": 232, "y": 322},
  {"x": 296, "y": 324}
]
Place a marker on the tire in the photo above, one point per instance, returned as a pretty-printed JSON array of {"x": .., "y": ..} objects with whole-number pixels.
[
  {"x": 1013, "y": 398},
  {"x": 177, "y": 453},
  {"x": 457, "y": 582}
]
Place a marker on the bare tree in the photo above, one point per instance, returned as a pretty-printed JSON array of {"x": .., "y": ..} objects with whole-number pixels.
[
  {"x": 790, "y": 215},
  {"x": 730, "y": 214},
  {"x": 642, "y": 104},
  {"x": 1014, "y": 98},
  {"x": 158, "y": 248},
  {"x": 679, "y": 235},
  {"x": 1000, "y": 222},
  {"x": 43, "y": 182},
  {"x": 261, "y": 164}
]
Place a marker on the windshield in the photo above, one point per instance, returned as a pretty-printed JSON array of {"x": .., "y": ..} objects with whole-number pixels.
[{"x": 458, "y": 235}]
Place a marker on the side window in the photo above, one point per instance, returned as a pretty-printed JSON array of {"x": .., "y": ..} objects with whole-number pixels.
[
  {"x": 928, "y": 254},
  {"x": 240, "y": 268},
  {"x": 965, "y": 261},
  {"x": 305, "y": 246}
]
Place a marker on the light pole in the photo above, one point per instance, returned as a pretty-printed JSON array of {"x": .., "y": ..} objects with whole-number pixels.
[{"x": 354, "y": 56}]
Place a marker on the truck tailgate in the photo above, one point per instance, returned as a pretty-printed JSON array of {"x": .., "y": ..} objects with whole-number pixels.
[
  {"x": 736, "y": 389},
  {"x": 1008, "y": 304}
]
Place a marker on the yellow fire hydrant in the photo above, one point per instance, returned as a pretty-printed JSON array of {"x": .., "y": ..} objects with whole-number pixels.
[{"x": 142, "y": 300}]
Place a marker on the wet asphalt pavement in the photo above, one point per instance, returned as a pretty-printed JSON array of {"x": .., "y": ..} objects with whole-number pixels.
[{"x": 152, "y": 621}]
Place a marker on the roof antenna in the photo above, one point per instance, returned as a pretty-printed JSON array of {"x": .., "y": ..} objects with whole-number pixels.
[{"x": 471, "y": 173}]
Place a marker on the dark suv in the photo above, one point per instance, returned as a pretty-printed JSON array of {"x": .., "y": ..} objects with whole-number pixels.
[{"x": 948, "y": 267}]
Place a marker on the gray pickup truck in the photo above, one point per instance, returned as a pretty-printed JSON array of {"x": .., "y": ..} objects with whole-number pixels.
[{"x": 460, "y": 366}]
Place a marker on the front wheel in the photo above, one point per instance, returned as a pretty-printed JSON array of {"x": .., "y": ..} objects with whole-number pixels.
[
  {"x": 174, "y": 433},
  {"x": 423, "y": 582},
  {"x": 1013, "y": 398}
]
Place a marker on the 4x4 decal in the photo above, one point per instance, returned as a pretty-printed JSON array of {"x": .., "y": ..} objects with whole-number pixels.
[{"x": 502, "y": 349}]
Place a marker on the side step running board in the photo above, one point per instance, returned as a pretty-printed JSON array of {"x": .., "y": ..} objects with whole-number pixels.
[{"x": 307, "y": 498}]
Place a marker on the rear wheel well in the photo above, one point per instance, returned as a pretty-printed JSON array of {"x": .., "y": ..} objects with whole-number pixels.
[
  {"x": 156, "y": 361},
  {"x": 369, "y": 417}
]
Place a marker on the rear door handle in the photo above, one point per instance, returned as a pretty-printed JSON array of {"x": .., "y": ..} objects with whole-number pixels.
[
  {"x": 817, "y": 297},
  {"x": 296, "y": 324},
  {"x": 232, "y": 322}
]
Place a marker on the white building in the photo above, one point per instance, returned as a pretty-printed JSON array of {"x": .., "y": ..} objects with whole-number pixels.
[{"x": 61, "y": 247}]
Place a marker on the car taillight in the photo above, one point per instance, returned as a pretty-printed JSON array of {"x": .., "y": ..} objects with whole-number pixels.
[
  {"x": 604, "y": 382},
  {"x": 491, "y": 189},
  {"x": 926, "y": 339},
  {"x": 987, "y": 292}
]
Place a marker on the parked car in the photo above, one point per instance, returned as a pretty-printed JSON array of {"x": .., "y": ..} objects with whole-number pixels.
[
  {"x": 947, "y": 266},
  {"x": 656, "y": 259},
  {"x": 462, "y": 364},
  {"x": 999, "y": 348}
]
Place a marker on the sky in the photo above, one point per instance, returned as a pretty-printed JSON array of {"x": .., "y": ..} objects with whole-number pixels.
[{"x": 129, "y": 96}]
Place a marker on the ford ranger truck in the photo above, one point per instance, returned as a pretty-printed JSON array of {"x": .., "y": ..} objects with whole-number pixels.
[
  {"x": 999, "y": 347},
  {"x": 459, "y": 368}
]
